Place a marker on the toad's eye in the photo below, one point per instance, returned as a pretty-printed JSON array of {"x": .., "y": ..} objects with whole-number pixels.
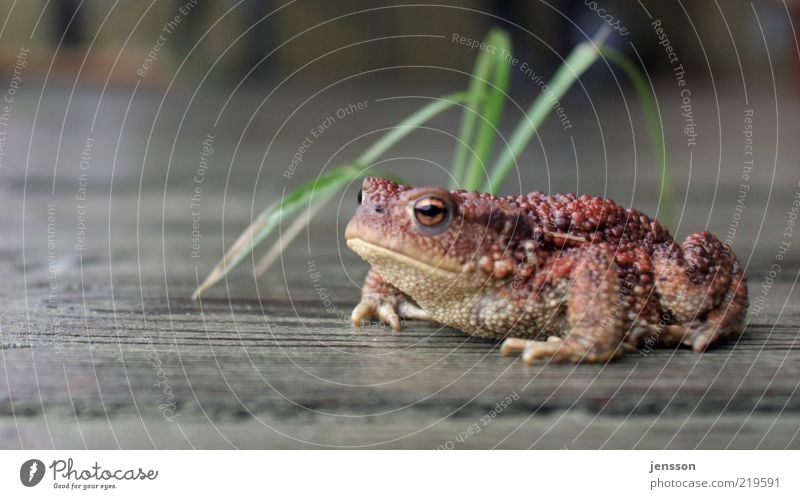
[
  {"x": 431, "y": 211},
  {"x": 360, "y": 196}
]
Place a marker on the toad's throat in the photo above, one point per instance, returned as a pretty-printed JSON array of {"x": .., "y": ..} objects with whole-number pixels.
[{"x": 375, "y": 254}]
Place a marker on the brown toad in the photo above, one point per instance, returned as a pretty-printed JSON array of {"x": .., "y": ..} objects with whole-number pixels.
[{"x": 586, "y": 275}]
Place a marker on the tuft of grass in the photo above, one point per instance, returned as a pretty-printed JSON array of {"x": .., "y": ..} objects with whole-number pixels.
[{"x": 483, "y": 103}]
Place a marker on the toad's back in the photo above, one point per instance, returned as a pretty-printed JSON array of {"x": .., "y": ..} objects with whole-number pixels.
[{"x": 595, "y": 218}]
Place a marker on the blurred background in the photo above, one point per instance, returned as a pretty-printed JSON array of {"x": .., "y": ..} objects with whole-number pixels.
[
  {"x": 227, "y": 40},
  {"x": 120, "y": 99}
]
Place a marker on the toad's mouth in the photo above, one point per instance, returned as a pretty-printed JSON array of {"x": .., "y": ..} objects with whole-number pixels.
[{"x": 375, "y": 254}]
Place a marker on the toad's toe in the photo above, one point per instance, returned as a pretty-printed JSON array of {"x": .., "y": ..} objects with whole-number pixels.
[{"x": 388, "y": 308}]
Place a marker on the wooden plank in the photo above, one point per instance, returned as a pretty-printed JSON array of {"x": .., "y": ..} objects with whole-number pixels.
[
  {"x": 121, "y": 357},
  {"x": 412, "y": 429}
]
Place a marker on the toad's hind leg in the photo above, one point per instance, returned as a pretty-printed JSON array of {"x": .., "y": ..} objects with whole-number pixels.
[
  {"x": 381, "y": 300},
  {"x": 594, "y": 314},
  {"x": 702, "y": 288}
]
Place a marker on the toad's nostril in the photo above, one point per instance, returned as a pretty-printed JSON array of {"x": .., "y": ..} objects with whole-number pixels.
[{"x": 377, "y": 208}]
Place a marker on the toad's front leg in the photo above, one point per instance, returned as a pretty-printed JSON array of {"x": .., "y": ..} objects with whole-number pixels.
[
  {"x": 594, "y": 314},
  {"x": 381, "y": 300}
]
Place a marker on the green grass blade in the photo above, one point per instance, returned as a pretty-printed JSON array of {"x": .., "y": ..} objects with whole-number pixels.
[
  {"x": 369, "y": 156},
  {"x": 294, "y": 230},
  {"x": 491, "y": 110},
  {"x": 408, "y": 125},
  {"x": 476, "y": 93},
  {"x": 578, "y": 61},
  {"x": 269, "y": 219},
  {"x": 324, "y": 186},
  {"x": 654, "y": 126}
]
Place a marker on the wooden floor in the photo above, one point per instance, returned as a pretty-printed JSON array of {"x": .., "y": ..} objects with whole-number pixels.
[{"x": 102, "y": 348}]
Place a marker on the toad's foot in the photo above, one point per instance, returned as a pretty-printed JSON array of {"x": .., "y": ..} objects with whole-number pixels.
[
  {"x": 701, "y": 334},
  {"x": 380, "y": 300},
  {"x": 387, "y": 308},
  {"x": 556, "y": 349},
  {"x": 593, "y": 312}
]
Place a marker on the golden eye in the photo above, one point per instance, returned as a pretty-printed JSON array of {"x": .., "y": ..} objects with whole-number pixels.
[{"x": 430, "y": 211}]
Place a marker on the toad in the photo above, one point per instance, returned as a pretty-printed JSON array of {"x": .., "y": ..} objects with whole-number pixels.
[{"x": 562, "y": 277}]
